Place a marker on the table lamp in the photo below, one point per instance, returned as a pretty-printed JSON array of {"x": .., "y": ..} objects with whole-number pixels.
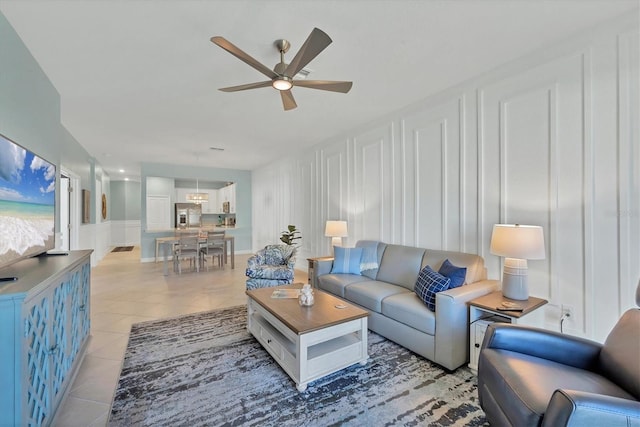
[
  {"x": 517, "y": 243},
  {"x": 336, "y": 230}
]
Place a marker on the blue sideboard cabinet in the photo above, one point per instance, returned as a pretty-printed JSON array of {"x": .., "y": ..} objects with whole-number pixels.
[{"x": 44, "y": 330}]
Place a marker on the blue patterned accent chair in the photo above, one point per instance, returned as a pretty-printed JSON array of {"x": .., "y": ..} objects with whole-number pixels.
[{"x": 271, "y": 266}]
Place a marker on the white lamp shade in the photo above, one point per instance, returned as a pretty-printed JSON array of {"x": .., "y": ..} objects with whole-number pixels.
[
  {"x": 336, "y": 229},
  {"x": 518, "y": 241}
]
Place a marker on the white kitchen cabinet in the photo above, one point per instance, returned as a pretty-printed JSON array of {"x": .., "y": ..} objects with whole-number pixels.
[
  {"x": 212, "y": 206},
  {"x": 228, "y": 194},
  {"x": 181, "y": 195},
  {"x": 232, "y": 198}
]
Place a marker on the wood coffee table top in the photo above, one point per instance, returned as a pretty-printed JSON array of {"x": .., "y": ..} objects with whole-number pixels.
[{"x": 323, "y": 313}]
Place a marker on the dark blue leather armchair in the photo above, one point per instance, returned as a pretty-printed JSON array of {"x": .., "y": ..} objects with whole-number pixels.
[{"x": 533, "y": 377}]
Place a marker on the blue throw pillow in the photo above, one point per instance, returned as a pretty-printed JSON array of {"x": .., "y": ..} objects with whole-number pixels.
[
  {"x": 346, "y": 260},
  {"x": 429, "y": 284},
  {"x": 456, "y": 274}
]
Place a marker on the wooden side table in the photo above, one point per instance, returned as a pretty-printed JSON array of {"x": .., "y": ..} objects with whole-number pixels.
[
  {"x": 483, "y": 311},
  {"x": 310, "y": 267}
]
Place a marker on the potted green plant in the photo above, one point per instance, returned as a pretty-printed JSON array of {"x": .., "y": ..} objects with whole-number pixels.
[{"x": 290, "y": 235}]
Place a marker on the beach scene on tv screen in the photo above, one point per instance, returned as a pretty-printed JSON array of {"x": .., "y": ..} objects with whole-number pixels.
[{"x": 27, "y": 202}]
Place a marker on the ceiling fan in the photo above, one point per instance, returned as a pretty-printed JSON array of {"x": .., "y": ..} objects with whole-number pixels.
[{"x": 282, "y": 77}]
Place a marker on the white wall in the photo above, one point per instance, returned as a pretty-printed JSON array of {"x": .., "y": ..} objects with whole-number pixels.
[
  {"x": 125, "y": 232},
  {"x": 551, "y": 140}
]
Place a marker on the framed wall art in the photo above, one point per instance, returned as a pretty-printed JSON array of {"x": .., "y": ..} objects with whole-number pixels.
[{"x": 86, "y": 206}]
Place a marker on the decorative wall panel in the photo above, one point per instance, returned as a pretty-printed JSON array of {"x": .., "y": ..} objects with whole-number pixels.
[
  {"x": 629, "y": 160},
  {"x": 307, "y": 208},
  {"x": 335, "y": 181},
  {"x": 127, "y": 232},
  {"x": 267, "y": 188},
  {"x": 432, "y": 144},
  {"x": 533, "y": 134},
  {"x": 550, "y": 139},
  {"x": 372, "y": 186}
]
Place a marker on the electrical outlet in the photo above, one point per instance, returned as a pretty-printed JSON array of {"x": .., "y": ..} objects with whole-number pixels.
[
  {"x": 566, "y": 309},
  {"x": 566, "y": 316}
]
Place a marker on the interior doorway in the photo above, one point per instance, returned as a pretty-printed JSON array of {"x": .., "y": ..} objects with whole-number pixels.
[
  {"x": 65, "y": 224},
  {"x": 69, "y": 211}
]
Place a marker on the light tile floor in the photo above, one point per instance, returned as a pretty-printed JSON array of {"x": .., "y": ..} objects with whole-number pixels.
[{"x": 125, "y": 291}]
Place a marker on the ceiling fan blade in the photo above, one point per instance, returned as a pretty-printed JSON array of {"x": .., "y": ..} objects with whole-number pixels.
[
  {"x": 243, "y": 56},
  {"x": 333, "y": 86},
  {"x": 287, "y": 100},
  {"x": 247, "y": 86},
  {"x": 317, "y": 41}
]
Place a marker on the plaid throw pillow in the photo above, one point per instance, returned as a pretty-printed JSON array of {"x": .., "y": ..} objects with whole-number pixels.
[{"x": 429, "y": 283}]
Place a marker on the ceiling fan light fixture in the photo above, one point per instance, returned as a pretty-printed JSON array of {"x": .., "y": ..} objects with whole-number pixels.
[
  {"x": 286, "y": 75},
  {"x": 282, "y": 83}
]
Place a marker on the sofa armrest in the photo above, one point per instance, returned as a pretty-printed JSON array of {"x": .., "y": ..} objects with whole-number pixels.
[
  {"x": 452, "y": 322},
  {"x": 566, "y": 349},
  {"x": 578, "y": 408},
  {"x": 320, "y": 268},
  {"x": 253, "y": 261}
]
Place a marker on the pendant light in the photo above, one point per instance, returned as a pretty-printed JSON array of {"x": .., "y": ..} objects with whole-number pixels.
[{"x": 198, "y": 197}]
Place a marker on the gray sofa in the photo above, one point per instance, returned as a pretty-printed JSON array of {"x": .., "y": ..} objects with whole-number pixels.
[
  {"x": 533, "y": 377},
  {"x": 397, "y": 313}
]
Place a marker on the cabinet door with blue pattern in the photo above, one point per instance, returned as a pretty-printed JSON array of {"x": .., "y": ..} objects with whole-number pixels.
[{"x": 38, "y": 348}]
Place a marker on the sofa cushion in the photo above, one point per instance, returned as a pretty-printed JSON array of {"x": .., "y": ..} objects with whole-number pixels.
[
  {"x": 407, "y": 308},
  {"x": 429, "y": 283},
  {"x": 346, "y": 260},
  {"x": 400, "y": 265},
  {"x": 370, "y": 294},
  {"x": 510, "y": 376},
  {"x": 336, "y": 283},
  {"x": 456, "y": 274},
  {"x": 474, "y": 263}
]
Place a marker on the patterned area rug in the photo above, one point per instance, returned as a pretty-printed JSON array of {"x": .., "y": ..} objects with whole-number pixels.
[{"x": 206, "y": 369}]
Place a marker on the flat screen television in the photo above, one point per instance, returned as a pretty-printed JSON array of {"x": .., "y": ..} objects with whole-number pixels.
[{"x": 27, "y": 203}]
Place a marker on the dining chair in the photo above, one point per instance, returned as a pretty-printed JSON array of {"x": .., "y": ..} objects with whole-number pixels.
[
  {"x": 188, "y": 247},
  {"x": 214, "y": 247}
]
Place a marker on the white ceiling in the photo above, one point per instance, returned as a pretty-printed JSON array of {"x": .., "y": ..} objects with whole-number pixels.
[{"x": 138, "y": 79}]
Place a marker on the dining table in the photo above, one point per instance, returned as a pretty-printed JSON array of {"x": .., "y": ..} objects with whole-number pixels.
[{"x": 166, "y": 244}]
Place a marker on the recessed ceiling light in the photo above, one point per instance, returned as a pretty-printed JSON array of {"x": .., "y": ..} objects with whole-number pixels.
[
  {"x": 216, "y": 148},
  {"x": 121, "y": 171},
  {"x": 126, "y": 179}
]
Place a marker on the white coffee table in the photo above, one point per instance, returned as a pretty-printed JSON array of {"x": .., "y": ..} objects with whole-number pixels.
[{"x": 308, "y": 342}]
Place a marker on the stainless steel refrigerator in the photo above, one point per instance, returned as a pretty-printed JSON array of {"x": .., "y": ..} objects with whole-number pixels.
[{"x": 188, "y": 215}]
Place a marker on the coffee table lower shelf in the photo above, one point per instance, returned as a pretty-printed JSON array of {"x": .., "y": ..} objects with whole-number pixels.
[{"x": 308, "y": 356}]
